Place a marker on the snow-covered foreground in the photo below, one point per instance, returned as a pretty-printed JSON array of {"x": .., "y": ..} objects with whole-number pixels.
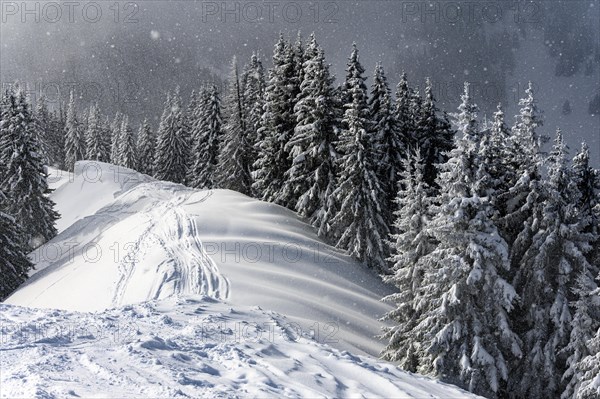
[
  {"x": 186, "y": 347},
  {"x": 162, "y": 289}
]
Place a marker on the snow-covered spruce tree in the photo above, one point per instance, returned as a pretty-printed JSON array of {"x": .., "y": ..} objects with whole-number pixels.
[
  {"x": 584, "y": 299},
  {"x": 463, "y": 301},
  {"x": 403, "y": 114},
  {"x": 171, "y": 156},
  {"x": 523, "y": 170},
  {"x": 387, "y": 142},
  {"x": 83, "y": 127},
  {"x": 215, "y": 132},
  {"x": 146, "y": 145},
  {"x": 493, "y": 170},
  {"x": 585, "y": 325},
  {"x": 106, "y": 136},
  {"x": 162, "y": 127},
  {"x": 56, "y": 139},
  {"x": 529, "y": 118},
  {"x": 587, "y": 180},
  {"x": 8, "y": 133},
  {"x": 310, "y": 181},
  {"x": 24, "y": 175},
  {"x": 298, "y": 59},
  {"x": 415, "y": 115},
  {"x": 496, "y": 157},
  {"x": 253, "y": 95},
  {"x": 198, "y": 143},
  {"x": 5, "y": 105},
  {"x": 492, "y": 174},
  {"x": 277, "y": 126},
  {"x": 73, "y": 139},
  {"x": 359, "y": 225},
  {"x": 343, "y": 98},
  {"x": 14, "y": 263},
  {"x": 589, "y": 368},
  {"x": 191, "y": 118},
  {"x": 127, "y": 148},
  {"x": 233, "y": 169},
  {"x": 411, "y": 243},
  {"x": 518, "y": 206},
  {"x": 434, "y": 134},
  {"x": 115, "y": 134},
  {"x": 353, "y": 68},
  {"x": 192, "y": 113},
  {"x": 205, "y": 140},
  {"x": 43, "y": 120},
  {"x": 93, "y": 134},
  {"x": 96, "y": 148},
  {"x": 553, "y": 258}
]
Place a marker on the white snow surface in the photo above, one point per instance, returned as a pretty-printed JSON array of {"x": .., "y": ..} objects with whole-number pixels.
[
  {"x": 153, "y": 289},
  {"x": 190, "y": 346}
]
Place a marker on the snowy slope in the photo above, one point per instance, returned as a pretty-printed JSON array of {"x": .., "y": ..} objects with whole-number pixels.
[
  {"x": 141, "y": 268},
  {"x": 135, "y": 239},
  {"x": 186, "y": 347}
]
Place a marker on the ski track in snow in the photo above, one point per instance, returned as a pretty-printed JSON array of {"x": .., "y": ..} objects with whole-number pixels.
[{"x": 187, "y": 268}]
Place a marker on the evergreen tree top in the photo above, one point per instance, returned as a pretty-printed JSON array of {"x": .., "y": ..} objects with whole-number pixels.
[
  {"x": 558, "y": 159},
  {"x": 354, "y": 69},
  {"x": 299, "y": 45},
  {"x": 498, "y": 124},
  {"x": 402, "y": 89},
  {"x": 380, "y": 91},
  {"x": 354, "y": 75},
  {"x": 466, "y": 118},
  {"x": 429, "y": 98}
]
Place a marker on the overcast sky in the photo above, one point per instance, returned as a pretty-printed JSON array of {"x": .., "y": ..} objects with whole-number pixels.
[{"x": 126, "y": 55}]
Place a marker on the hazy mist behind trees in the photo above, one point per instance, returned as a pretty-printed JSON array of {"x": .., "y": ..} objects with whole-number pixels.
[{"x": 128, "y": 57}]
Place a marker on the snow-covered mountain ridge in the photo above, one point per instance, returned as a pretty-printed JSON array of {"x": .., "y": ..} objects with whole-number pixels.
[{"x": 161, "y": 291}]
